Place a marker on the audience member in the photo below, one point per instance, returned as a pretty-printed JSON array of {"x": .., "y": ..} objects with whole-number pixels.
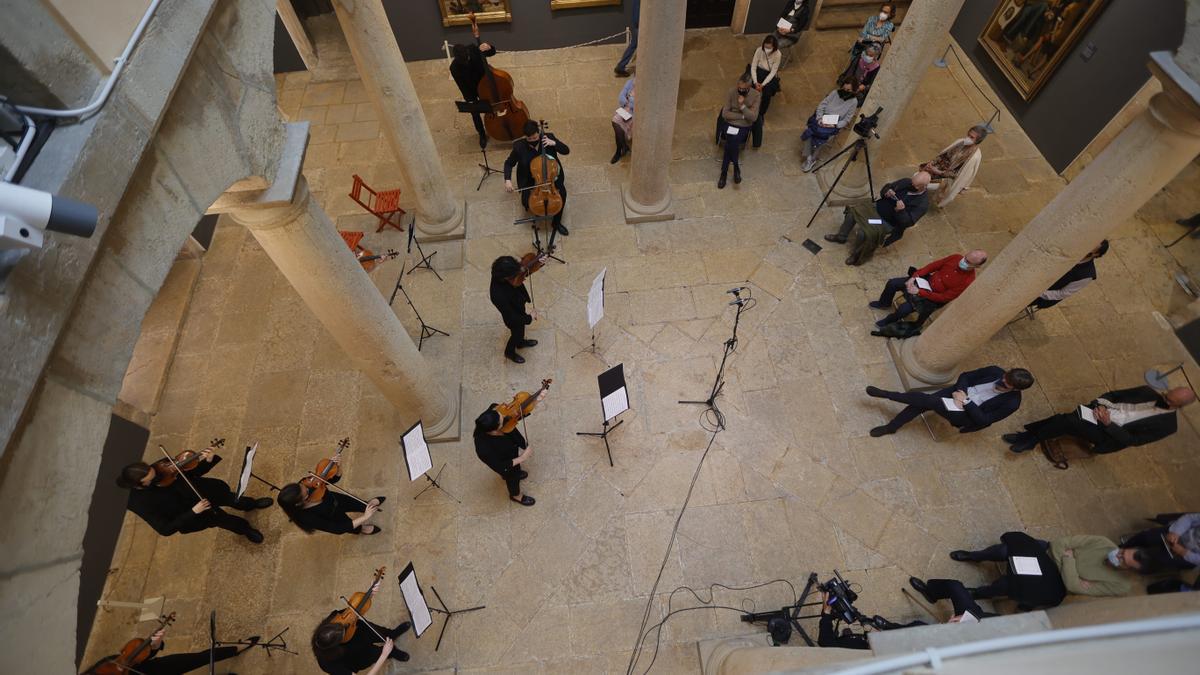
[
  {"x": 900, "y": 205},
  {"x": 796, "y": 13},
  {"x": 1081, "y": 562},
  {"x": 631, "y": 49},
  {"x": 1114, "y": 421},
  {"x": 737, "y": 117},
  {"x": 946, "y": 279},
  {"x": 838, "y": 104},
  {"x": 977, "y": 400},
  {"x": 1073, "y": 281},
  {"x": 957, "y": 163},
  {"x": 763, "y": 70},
  {"x": 953, "y": 590},
  {"x": 622, "y": 126},
  {"x": 1176, "y": 545},
  {"x": 864, "y": 69},
  {"x": 877, "y": 30}
]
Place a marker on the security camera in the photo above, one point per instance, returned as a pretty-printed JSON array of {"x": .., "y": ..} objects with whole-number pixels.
[{"x": 25, "y": 215}]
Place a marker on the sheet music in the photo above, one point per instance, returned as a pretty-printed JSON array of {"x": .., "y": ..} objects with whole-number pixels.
[
  {"x": 784, "y": 24},
  {"x": 416, "y": 452},
  {"x": 615, "y": 403},
  {"x": 923, "y": 284},
  {"x": 415, "y": 602},
  {"x": 624, "y": 114},
  {"x": 829, "y": 120},
  {"x": 1026, "y": 565},
  {"x": 595, "y": 301},
  {"x": 1087, "y": 414},
  {"x": 247, "y": 469},
  {"x": 952, "y": 405},
  {"x": 732, "y": 130}
]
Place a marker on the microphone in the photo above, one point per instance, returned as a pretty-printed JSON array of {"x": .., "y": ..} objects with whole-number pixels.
[
  {"x": 737, "y": 290},
  {"x": 738, "y": 301}
]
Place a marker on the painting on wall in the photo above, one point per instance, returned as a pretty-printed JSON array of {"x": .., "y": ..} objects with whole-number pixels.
[
  {"x": 571, "y": 4},
  {"x": 456, "y": 12},
  {"x": 1028, "y": 39}
]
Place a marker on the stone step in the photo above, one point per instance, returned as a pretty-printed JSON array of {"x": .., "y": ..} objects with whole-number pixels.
[
  {"x": 839, "y": 14},
  {"x": 918, "y": 638}
]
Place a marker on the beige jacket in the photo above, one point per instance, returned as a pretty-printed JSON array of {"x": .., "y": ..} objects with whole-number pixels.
[{"x": 743, "y": 115}]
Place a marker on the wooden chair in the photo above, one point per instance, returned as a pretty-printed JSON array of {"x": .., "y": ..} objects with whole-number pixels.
[{"x": 384, "y": 205}]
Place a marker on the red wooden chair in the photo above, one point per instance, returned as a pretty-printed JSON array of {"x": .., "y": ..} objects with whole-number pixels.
[{"x": 383, "y": 205}]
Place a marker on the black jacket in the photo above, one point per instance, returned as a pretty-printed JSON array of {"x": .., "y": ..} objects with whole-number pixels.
[
  {"x": 1033, "y": 591},
  {"x": 975, "y": 417},
  {"x": 1141, "y": 432},
  {"x": 510, "y": 300},
  {"x": 468, "y": 72},
  {"x": 802, "y": 15},
  {"x": 169, "y": 509},
  {"x": 915, "y": 206},
  {"x": 523, "y": 152}
]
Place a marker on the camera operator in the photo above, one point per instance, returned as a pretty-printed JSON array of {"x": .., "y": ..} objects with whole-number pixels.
[{"x": 828, "y": 636}]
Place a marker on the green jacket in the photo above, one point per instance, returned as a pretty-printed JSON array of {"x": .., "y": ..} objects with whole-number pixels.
[{"x": 1088, "y": 563}]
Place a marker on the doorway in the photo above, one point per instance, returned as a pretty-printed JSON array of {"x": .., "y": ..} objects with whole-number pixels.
[{"x": 709, "y": 13}]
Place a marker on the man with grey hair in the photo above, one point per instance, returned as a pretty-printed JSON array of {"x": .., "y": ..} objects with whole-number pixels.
[
  {"x": 955, "y": 166},
  {"x": 900, "y": 205}
]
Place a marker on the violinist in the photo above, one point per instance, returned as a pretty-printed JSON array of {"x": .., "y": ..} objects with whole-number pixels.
[
  {"x": 526, "y": 151},
  {"x": 171, "y": 506},
  {"x": 364, "y": 650},
  {"x": 175, "y": 664},
  {"x": 467, "y": 69},
  {"x": 504, "y": 453},
  {"x": 509, "y": 297},
  {"x": 330, "y": 513}
]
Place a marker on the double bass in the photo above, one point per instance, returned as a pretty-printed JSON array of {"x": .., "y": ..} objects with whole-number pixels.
[
  {"x": 134, "y": 653},
  {"x": 545, "y": 200},
  {"x": 520, "y": 407},
  {"x": 506, "y": 121}
]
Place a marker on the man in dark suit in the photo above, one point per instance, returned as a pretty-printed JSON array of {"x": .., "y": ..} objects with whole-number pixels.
[
  {"x": 954, "y": 591},
  {"x": 467, "y": 69},
  {"x": 981, "y": 398},
  {"x": 524, "y": 152},
  {"x": 1124, "y": 417}
]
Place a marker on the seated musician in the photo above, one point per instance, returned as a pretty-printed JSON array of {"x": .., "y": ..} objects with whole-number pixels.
[
  {"x": 363, "y": 651},
  {"x": 509, "y": 299},
  {"x": 330, "y": 513},
  {"x": 175, "y": 664},
  {"x": 503, "y": 453},
  {"x": 524, "y": 152},
  {"x": 176, "y": 508}
]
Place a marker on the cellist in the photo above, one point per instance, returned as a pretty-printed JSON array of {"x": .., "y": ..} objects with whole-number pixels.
[
  {"x": 174, "y": 664},
  {"x": 524, "y": 152},
  {"x": 338, "y": 656}
]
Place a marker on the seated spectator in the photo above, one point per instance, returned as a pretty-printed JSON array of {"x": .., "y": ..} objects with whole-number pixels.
[
  {"x": 739, "y": 113},
  {"x": 623, "y": 128},
  {"x": 947, "y": 278},
  {"x": 763, "y": 70},
  {"x": 796, "y": 13},
  {"x": 900, "y": 205},
  {"x": 1080, "y": 561},
  {"x": 1073, "y": 281},
  {"x": 877, "y": 30},
  {"x": 864, "y": 69},
  {"x": 1175, "y": 546},
  {"x": 954, "y": 591},
  {"x": 1123, "y": 417},
  {"x": 839, "y": 103},
  {"x": 956, "y": 165},
  {"x": 980, "y": 398}
]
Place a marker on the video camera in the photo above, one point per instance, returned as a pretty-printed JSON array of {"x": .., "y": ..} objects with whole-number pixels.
[
  {"x": 865, "y": 126},
  {"x": 841, "y": 601}
]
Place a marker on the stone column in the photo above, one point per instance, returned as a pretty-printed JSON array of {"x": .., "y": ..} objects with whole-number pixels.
[
  {"x": 660, "y": 48},
  {"x": 299, "y": 237},
  {"x": 1146, "y": 155},
  {"x": 918, "y": 42},
  {"x": 440, "y": 215}
]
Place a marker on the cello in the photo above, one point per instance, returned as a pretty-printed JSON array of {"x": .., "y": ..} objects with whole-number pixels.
[
  {"x": 545, "y": 201},
  {"x": 134, "y": 653},
  {"x": 359, "y": 603},
  {"x": 506, "y": 121},
  {"x": 521, "y": 406}
]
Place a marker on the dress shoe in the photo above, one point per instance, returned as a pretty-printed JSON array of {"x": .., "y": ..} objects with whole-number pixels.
[
  {"x": 525, "y": 500},
  {"x": 255, "y": 536},
  {"x": 401, "y": 629},
  {"x": 620, "y": 72},
  {"x": 380, "y": 500},
  {"x": 874, "y": 392},
  {"x": 920, "y": 587},
  {"x": 616, "y": 157},
  {"x": 1013, "y": 438},
  {"x": 883, "y": 322},
  {"x": 263, "y": 502},
  {"x": 737, "y": 175},
  {"x": 721, "y": 182},
  {"x": 875, "y": 304},
  {"x": 515, "y": 358},
  {"x": 522, "y": 474},
  {"x": 528, "y": 343},
  {"x": 561, "y": 229},
  {"x": 809, "y": 165},
  {"x": 962, "y": 556},
  {"x": 884, "y": 430},
  {"x": 1023, "y": 446},
  {"x": 400, "y": 655},
  {"x": 835, "y": 238}
]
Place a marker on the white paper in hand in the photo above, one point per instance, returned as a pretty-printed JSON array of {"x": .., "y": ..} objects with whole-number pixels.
[
  {"x": 615, "y": 403},
  {"x": 732, "y": 130},
  {"x": 952, "y": 405},
  {"x": 415, "y": 603},
  {"x": 968, "y": 617},
  {"x": 784, "y": 24},
  {"x": 1026, "y": 565},
  {"x": 923, "y": 284},
  {"x": 874, "y": 221},
  {"x": 624, "y": 114},
  {"x": 1087, "y": 414},
  {"x": 829, "y": 120}
]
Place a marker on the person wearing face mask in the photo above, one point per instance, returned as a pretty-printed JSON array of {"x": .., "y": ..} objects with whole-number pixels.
[
  {"x": 877, "y": 30},
  {"x": 1176, "y": 542},
  {"x": 880, "y": 223},
  {"x": 1086, "y": 564},
  {"x": 796, "y": 13},
  {"x": 864, "y": 69},
  {"x": 1075, "y": 280},
  {"x": 978, "y": 399},
  {"x": 737, "y": 117},
  {"x": 839, "y": 102},
  {"x": 944, "y": 280},
  {"x": 763, "y": 70},
  {"x": 955, "y": 166}
]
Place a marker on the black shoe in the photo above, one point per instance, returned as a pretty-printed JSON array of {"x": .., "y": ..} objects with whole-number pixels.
[
  {"x": 737, "y": 175},
  {"x": 399, "y": 655},
  {"x": 721, "y": 182},
  {"x": 253, "y": 640},
  {"x": 527, "y": 343},
  {"x": 263, "y": 502},
  {"x": 525, "y": 500},
  {"x": 401, "y": 630},
  {"x": 1023, "y": 446},
  {"x": 620, "y": 73},
  {"x": 962, "y": 556},
  {"x": 380, "y": 500},
  {"x": 616, "y": 157},
  {"x": 874, "y": 392},
  {"x": 920, "y": 587},
  {"x": 375, "y": 529},
  {"x": 884, "y": 430},
  {"x": 254, "y": 536},
  {"x": 835, "y": 238},
  {"x": 875, "y": 304},
  {"x": 561, "y": 229},
  {"x": 515, "y": 358},
  {"x": 1012, "y": 439},
  {"x": 973, "y": 592},
  {"x": 522, "y": 474}
]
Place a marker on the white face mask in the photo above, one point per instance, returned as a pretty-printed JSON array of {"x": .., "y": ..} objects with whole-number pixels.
[
  {"x": 867, "y": 58},
  {"x": 964, "y": 265},
  {"x": 767, "y": 50},
  {"x": 883, "y": 16},
  {"x": 968, "y": 141}
]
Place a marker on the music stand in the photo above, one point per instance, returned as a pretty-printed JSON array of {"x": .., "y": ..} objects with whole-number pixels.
[
  {"x": 595, "y": 310},
  {"x": 425, "y": 259},
  {"x": 614, "y": 400},
  {"x": 276, "y": 643},
  {"x": 248, "y": 472},
  {"x": 427, "y": 331},
  {"x": 417, "y": 459},
  {"x": 479, "y": 108},
  {"x": 419, "y": 610}
]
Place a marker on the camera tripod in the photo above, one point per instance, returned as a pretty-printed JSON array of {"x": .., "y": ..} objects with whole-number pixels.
[
  {"x": 859, "y": 145},
  {"x": 792, "y": 613}
]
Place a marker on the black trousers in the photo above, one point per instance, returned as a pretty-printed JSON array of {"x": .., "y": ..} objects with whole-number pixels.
[
  {"x": 954, "y": 591},
  {"x": 918, "y": 403},
  {"x": 177, "y": 664},
  {"x": 1065, "y": 424},
  {"x": 733, "y": 145},
  {"x": 896, "y": 285},
  {"x": 512, "y": 479},
  {"x": 561, "y": 184},
  {"x": 515, "y": 338},
  {"x": 1152, "y": 540},
  {"x": 894, "y": 236},
  {"x": 622, "y": 141}
]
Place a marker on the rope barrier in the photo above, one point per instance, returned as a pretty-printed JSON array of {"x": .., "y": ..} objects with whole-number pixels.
[{"x": 995, "y": 108}]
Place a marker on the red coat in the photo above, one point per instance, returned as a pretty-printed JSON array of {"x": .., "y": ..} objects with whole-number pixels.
[{"x": 946, "y": 280}]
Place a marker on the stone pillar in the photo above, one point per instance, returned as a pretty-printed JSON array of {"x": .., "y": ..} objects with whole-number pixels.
[
  {"x": 660, "y": 48},
  {"x": 299, "y": 237},
  {"x": 918, "y": 42},
  {"x": 440, "y": 215},
  {"x": 1146, "y": 155}
]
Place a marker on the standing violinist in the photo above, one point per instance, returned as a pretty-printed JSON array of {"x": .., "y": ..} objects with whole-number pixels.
[
  {"x": 338, "y": 656},
  {"x": 173, "y": 507},
  {"x": 175, "y": 664},
  {"x": 509, "y": 297},
  {"x": 330, "y": 513},
  {"x": 467, "y": 69},
  {"x": 525, "y": 151},
  {"x": 503, "y": 452}
]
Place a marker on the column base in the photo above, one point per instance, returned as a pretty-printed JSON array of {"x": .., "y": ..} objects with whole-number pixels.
[
  {"x": 852, "y": 187},
  {"x": 914, "y": 377},
  {"x": 646, "y": 213},
  {"x": 458, "y": 231},
  {"x": 453, "y": 432}
]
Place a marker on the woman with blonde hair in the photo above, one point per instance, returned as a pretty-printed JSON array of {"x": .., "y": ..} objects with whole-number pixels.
[{"x": 955, "y": 166}]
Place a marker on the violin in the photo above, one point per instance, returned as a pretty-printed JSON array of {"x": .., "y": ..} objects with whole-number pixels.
[
  {"x": 521, "y": 406},
  {"x": 369, "y": 260},
  {"x": 530, "y": 263},
  {"x": 187, "y": 460},
  {"x": 544, "y": 197},
  {"x": 506, "y": 121},
  {"x": 359, "y": 604},
  {"x": 134, "y": 652},
  {"x": 327, "y": 470}
]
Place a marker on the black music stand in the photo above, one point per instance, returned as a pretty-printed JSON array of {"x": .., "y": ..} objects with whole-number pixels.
[
  {"x": 427, "y": 331},
  {"x": 479, "y": 108},
  {"x": 276, "y": 643},
  {"x": 414, "y": 599},
  {"x": 614, "y": 400},
  {"x": 417, "y": 460},
  {"x": 425, "y": 259}
]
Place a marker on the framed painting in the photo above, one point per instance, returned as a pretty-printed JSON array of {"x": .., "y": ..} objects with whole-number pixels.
[
  {"x": 1028, "y": 39},
  {"x": 455, "y": 12},
  {"x": 572, "y": 4}
]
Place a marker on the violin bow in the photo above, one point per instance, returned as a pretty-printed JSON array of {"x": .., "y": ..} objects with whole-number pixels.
[
  {"x": 183, "y": 475},
  {"x": 362, "y": 618},
  {"x": 345, "y": 492}
]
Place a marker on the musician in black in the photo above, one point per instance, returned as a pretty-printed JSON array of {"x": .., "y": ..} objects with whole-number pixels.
[
  {"x": 524, "y": 152},
  {"x": 175, "y": 664},
  {"x": 331, "y": 513},
  {"x": 503, "y": 453},
  {"x": 361, "y": 652},
  {"x": 510, "y": 300},
  {"x": 467, "y": 69},
  {"x": 175, "y": 508}
]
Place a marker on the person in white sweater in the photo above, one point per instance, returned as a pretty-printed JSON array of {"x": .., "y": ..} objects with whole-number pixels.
[
  {"x": 764, "y": 76},
  {"x": 822, "y": 126}
]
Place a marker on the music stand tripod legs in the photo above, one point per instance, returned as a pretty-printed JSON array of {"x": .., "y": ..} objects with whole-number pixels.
[
  {"x": 604, "y": 435},
  {"x": 427, "y": 331},
  {"x": 426, "y": 260},
  {"x": 449, "y": 614},
  {"x": 433, "y": 483}
]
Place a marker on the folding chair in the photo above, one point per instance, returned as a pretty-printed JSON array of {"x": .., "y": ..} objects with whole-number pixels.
[{"x": 383, "y": 205}]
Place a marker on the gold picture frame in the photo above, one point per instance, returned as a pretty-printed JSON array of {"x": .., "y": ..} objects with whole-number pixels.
[
  {"x": 573, "y": 4},
  {"x": 1029, "y": 39},
  {"x": 455, "y": 12}
]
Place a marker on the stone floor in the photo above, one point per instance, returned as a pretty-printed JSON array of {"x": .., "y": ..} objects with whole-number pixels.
[{"x": 793, "y": 485}]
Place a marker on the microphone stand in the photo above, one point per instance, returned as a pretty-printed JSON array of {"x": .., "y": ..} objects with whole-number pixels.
[{"x": 730, "y": 347}]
